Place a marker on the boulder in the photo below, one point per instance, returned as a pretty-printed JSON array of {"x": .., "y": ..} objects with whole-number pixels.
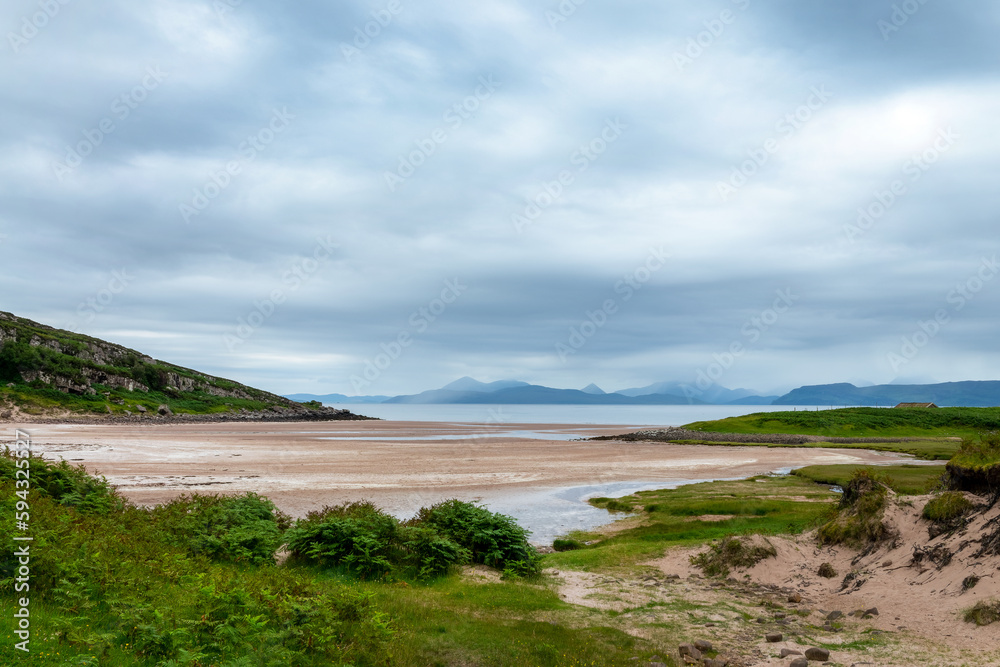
[
  {"x": 834, "y": 615},
  {"x": 799, "y": 662},
  {"x": 785, "y": 652},
  {"x": 689, "y": 651},
  {"x": 795, "y": 598},
  {"x": 165, "y": 410},
  {"x": 773, "y": 637},
  {"x": 817, "y": 654},
  {"x": 141, "y": 409},
  {"x": 703, "y": 645}
]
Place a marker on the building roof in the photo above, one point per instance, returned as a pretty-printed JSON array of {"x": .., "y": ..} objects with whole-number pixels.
[{"x": 916, "y": 405}]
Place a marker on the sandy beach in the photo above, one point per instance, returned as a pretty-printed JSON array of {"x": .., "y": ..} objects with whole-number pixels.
[{"x": 399, "y": 465}]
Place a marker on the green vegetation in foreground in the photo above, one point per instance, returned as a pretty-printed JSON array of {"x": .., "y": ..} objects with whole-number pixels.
[
  {"x": 194, "y": 582},
  {"x": 859, "y": 521},
  {"x": 905, "y": 479},
  {"x": 698, "y": 513},
  {"x": 862, "y": 422}
]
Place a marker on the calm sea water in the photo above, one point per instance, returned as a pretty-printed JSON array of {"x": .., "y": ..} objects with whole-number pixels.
[{"x": 630, "y": 415}]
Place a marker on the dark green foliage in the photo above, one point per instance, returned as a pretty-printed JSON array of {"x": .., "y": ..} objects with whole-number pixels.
[
  {"x": 233, "y": 529},
  {"x": 112, "y": 584},
  {"x": 491, "y": 539},
  {"x": 357, "y": 536},
  {"x": 827, "y": 571},
  {"x": 566, "y": 545},
  {"x": 65, "y": 484},
  {"x": 732, "y": 551},
  {"x": 862, "y": 506}
]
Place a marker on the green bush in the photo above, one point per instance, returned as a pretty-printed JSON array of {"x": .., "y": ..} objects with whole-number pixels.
[
  {"x": 859, "y": 521},
  {"x": 66, "y": 484},
  {"x": 492, "y": 539},
  {"x": 947, "y": 507},
  {"x": 234, "y": 529},
  {"x": 730, "y": 552},
  {"x": 357, "y": 536}
]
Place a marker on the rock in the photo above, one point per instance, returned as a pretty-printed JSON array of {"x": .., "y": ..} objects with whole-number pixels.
[
  {"x": 886, "y": 563},
  {"x": 761, "y": 620},
  {"x": 785, "y": 652},
  {"x": 795, "y": 598},
  {"x": 817, "y": 654},
  {"x": 141, "y": 409},
  {"x": 871, "y": 612},
  {"x": 165, "y": 410},
  {"x": 773, "y": 637},
  {"x": 711, "y": 662},
  {"x": 689, "y": 651},
  {"x": 834, "y": 615},
  {"x": 703, "y": 645},
  {"x": 799, "y": 662}
]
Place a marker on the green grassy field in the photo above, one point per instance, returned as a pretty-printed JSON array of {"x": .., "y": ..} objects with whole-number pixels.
[
  {"x": 670, "y": 517},
  {"x": 863, "y": 422},
  {"x": 903, "y": 479},
  {"x": 939, "y": 449}
]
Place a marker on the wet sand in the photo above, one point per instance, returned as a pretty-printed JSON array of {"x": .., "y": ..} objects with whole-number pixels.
[{"x": 399, "y": 465}]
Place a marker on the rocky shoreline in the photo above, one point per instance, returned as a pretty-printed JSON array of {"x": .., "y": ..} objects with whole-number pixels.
[
  {"x": 682, "y": 434},
  {"x": 277, "y": 414}
]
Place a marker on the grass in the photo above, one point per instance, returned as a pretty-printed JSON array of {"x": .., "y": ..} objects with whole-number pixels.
[
  {"x": 862, "y": 422},
  {"x": 698, "y": 513},
  {"x": 905, "y": 479},
  {"x": 193, "y": 582},
  {"x": 859, "y": 521},
  {"x": 947, "y": 507}
]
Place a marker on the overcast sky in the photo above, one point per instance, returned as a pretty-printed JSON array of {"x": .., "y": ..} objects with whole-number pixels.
[{"x": 613, "y": 192}]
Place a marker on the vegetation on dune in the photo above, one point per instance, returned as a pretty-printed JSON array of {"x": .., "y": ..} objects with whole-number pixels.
[
  {"x": 732, "y": 551},
  {"x": 862, "y": 422},
  {"x": 859, "y": 519},
  {"x": 976, "y": 466},
  {"x": 984, "y": 612}
]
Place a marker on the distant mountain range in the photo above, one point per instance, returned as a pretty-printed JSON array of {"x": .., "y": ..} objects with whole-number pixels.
[
  {"x": 512, "y": 392},
  {"x": 970, "y": 394}
]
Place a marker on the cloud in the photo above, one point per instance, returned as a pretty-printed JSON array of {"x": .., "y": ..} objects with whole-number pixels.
[{"x": 378, "y": 88}]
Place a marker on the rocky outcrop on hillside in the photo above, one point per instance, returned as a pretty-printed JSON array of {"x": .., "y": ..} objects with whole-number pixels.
[{"x": 35, "y": 357}]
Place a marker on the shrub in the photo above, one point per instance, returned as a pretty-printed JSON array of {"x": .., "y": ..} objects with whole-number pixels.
[
  {"x": 859, "y": 520},
  {"x": 732, "y": 552},
  {"x": 827, "y": 571},
  {"x": 358, "y": 536},
  {"x": 429, "y": 554},
  {"x": 947, "y": 507},
  {"x": 983, "y": 613},
  {"x": 492, "y": 539},
  {"x": 236, "y": 529},
  {"x": 68, "y": 485}
]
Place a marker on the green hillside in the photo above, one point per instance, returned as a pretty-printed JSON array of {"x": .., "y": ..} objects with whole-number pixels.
[{"x": 47, "y": 372}]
